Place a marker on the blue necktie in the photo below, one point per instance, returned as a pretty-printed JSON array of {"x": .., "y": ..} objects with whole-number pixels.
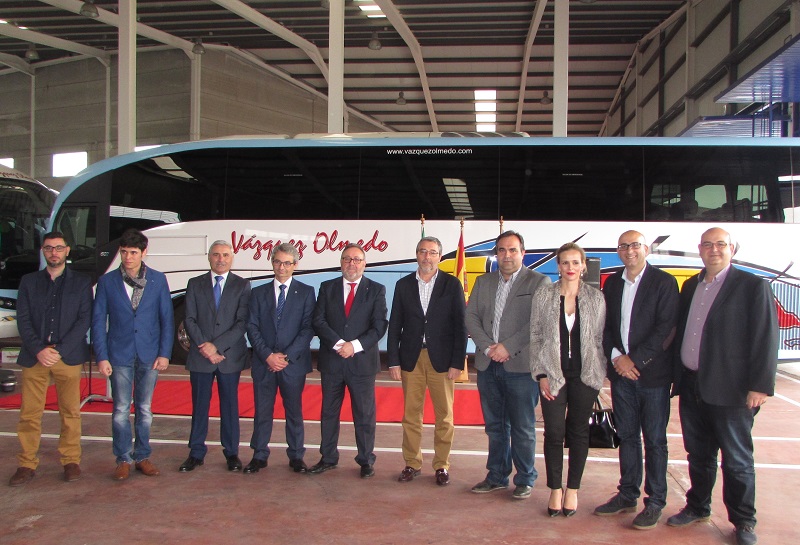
[
  {"x": 217, "y": 290},
  {"x": 281, "y": 301}
]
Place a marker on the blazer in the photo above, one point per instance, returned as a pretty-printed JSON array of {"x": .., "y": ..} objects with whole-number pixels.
[
  {"x": 442, "y": 326},
  {"x": 224, "y": 326},
  {"x": 74, "y": 320},
  {"x": 292, "y": 336},
  {"x": 367, "y": 323},
  {"x": 652, "y": 330},
  {"x": 515, "y": 331},
  {"x": 546, "y": 335},
  {"x": 121, "y": 335},
  {"x": 739, "y": 347}
]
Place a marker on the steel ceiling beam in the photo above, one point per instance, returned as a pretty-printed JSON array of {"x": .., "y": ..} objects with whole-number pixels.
[{"x": 538, "y": 12}]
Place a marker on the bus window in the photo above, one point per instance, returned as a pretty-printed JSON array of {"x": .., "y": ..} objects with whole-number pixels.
[{"x": 78, "y": 223}]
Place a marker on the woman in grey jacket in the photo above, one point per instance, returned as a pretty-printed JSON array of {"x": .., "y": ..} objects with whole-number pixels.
[{"x": 567, "y": 320}]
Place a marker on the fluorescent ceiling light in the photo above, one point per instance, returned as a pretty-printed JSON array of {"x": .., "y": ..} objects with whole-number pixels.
[
  {"x": 485, "y": 106},
  {"x": 486, "y": 118},
  {"x": 485, "y": 94},
  {"x": 369, "y": 7},
  {"x": 486, "y": 127}
]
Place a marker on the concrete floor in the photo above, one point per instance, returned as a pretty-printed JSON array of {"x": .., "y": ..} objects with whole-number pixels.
[{"x": 277, "y": 506}]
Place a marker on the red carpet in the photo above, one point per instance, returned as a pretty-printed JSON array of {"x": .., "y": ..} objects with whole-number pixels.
[{"x": 174, "y": 397}]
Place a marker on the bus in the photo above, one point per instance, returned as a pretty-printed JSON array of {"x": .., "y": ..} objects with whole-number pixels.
[
  {"x": 25, "y": 206},
  {"x": 385, "y": 191}
]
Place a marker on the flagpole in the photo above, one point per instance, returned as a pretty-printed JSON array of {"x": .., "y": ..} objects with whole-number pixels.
[{"x": 461, "y": 274}]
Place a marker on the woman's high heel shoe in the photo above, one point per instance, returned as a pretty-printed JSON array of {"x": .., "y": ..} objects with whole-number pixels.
[
  {"x": 569, "y": 512},
  {"x": 550, "y": 511}
]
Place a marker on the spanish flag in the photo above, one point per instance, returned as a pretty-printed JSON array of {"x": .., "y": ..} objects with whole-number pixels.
[{"x": 461, "y": 264}]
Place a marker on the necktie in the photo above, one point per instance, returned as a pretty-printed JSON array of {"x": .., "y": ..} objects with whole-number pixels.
[
  {"x": 350, "y": 296},
  {"x": 281, "y": 301},
  {"x": 217, "y": 290}
]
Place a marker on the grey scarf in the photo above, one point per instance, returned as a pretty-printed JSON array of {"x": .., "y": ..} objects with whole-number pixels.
[{"x": 137, "y": 284}]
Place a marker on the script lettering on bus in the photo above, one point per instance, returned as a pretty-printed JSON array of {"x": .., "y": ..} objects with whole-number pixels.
[
  {"x": 259, "y": 246},
  {"x": 325, "y": 242}
]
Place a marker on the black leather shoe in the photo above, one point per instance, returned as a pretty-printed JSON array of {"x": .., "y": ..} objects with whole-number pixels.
[
  {"x": 254, "y": 466},
  {"x": 367, "y": 471},
  {"x": 234, "y": 463},
  {"x": 442, "y": 477},
  {"x": 320, "y": 467},
  {"x": 298, "y": 465},
  {"x": 190, "y": 463}
]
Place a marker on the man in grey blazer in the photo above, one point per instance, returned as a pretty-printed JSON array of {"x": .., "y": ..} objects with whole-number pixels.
[
  {"x": 216, "y": 321},
  {"x": 498, "y": 319}
]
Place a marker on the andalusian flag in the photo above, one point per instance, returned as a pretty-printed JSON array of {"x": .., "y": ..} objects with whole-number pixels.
[{"x": 461, "y": 263}]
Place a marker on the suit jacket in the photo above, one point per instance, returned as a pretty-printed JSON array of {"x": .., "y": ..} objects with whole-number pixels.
[
  {"x": 119, "y": 334},
  {"x": 652, "y": 330},
  {"x": 74, "y": 320},
  {"x": 367, "y": 323},
  {"x": 442, "y": 326},
  {"x": 224, "y": 326},
  {"x": 292, "y": 336},
  {"x": 515, "y": 332},
  {"x": 546, "y": 335},
  {"x": 739, "y": 347}
]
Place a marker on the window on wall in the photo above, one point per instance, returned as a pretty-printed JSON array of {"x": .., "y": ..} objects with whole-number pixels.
[
  {"x": 69, "y": 164},
  {"x": 7, "y": 162}
]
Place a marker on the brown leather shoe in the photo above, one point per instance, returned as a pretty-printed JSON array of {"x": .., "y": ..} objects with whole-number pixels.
[
  {"x": 23, "y": 476},
  {"x": 72, "y": 472},
  {"x": 148, "y": 468},
  {"x": 122, "y": 472},
  {"x": 442, "y": 477},
  {"x": 408, "y": 474}
]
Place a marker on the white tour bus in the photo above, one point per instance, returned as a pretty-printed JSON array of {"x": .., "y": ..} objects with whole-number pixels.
[
  {"x": 319, "y": 193},
  {"x": 25, "y": 206}
]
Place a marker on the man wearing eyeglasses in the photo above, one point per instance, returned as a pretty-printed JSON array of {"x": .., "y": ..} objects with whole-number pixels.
[
  {"x": 216, "y": 320},
  {"x": 280, "y": 332},
  {"x": 427, "y": 346},
  {"x": 54, "y": 312},
  {"x": 727, "y": 343},
  {"x": 350, "y": 319},
  {"x": 641, "y": 312}
]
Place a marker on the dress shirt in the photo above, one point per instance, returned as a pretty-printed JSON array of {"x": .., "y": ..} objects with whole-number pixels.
[
  {"x": 703, "y": 298},
  {"x": 629, "y": 289},
  {"x": 221, "y": 282},
  {"x": 425, "y": 290},
  {"x": 52, "y": 314},
  {"x": 345, "y": 290},
  {"x": 503, "y": 289},
  {"x": 277, "y": 289}
]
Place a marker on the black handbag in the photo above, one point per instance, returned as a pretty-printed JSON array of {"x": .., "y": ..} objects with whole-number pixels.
[{"x": 602, "y": 432}]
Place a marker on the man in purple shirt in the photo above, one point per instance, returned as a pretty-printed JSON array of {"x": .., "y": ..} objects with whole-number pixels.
[{"x": 727, "y": 347}]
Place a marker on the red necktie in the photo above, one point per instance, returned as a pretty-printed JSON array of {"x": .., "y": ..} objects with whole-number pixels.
[{"x": 348, "y": 304}]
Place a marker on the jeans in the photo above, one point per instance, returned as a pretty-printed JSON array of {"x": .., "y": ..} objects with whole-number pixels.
[
  {"x": 132, "y": 383},
  {"x": 641, "y": 413},
  {"x": 508, "y": 402},
  {"x": 707, "y": 429},
  {"x": 567, "y": 416}
]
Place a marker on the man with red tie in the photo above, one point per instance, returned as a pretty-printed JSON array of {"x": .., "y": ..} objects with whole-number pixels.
[{"x": 350, "y": 319}]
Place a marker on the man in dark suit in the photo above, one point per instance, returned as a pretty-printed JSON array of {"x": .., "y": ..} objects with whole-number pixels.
[
  {"x": 280, "y": 332},
  {"x": 132, "y": 334},
  {"x": 427, "y": 349},
  {"x": 727, "y": 343},
  {"x": 54, "y": 312},
  {"x": 350, "y": 319},
  {"x": 498, "y": 319},
  {"x": 216, "y": 320},
  {"x": 641, "y": 311}
]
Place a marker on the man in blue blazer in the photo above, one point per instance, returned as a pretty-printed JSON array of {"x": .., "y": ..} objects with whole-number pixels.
[
  {"x": 641, "y": 312},
  {"x": 350, "y": 319},
  {"x": 427, "y": 349},
  {"x": 54, "y": 312},
  {"x": 279, "y": 329},
  {"x": 726, "y": 357},
  {"x": 132, "y": 334},
  {"x": 216, "y": 320}
]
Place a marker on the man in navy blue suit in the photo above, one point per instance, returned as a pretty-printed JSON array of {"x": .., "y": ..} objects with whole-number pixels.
[
  {"x": 350, "y": 319},
  {"x": 216, "y": 320},
  {"x": 641, "y": 312},
  {"x": 279, "y": 329},
  {"x": 54, "y": 311},
  {"x": 132, "y": 333}
]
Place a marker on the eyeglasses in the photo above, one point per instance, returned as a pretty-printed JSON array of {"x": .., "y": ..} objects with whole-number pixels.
[
  {"x": 432, "y": 253},
  {"x": 49, "y": 249},
  {"x": 720, "y": 244},
  {"x": 356, "y": 260},
  {"x": 633, "y": 246},
  {"x": 287, "y": 264}
]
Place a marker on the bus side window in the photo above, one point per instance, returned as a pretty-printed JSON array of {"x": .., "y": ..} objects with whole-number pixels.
[{"x": 79, "y": 225}]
